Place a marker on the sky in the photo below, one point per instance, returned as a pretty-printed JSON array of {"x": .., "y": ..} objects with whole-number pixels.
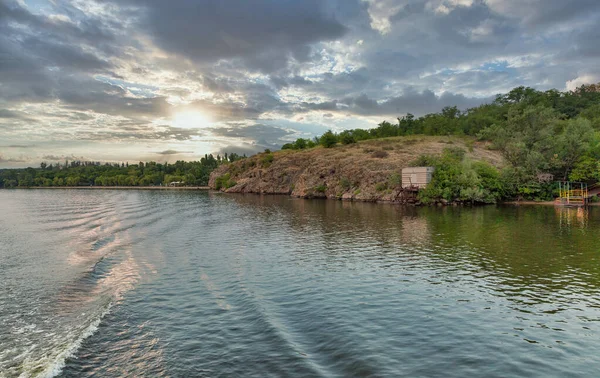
[{"x": 156, "y": 80}]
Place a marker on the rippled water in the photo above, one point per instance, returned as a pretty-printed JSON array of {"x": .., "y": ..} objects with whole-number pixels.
[{"x": 182, "y": 284}]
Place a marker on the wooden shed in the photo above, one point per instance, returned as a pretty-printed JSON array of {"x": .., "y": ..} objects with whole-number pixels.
[{"x": 417, "y": 177}]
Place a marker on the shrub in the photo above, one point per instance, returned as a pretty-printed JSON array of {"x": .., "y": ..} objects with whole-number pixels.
[
  {"x": 345, "y": 183},
  {"x": 300, "y": 144},
  {"x": 380, "y": 154},
  {"x": 267, "y": 159},
  {"x": 328, "y": 139},
  {"x": 224, "y": 182},
  {"x": 320, "y": 188},
  {"x": 347, "y": 138},
  {"x": 395, "y": 180},
  {"x": 456, "y": 153},
  {"x": 381, "y": 186},
  {"x": 455, "y": 179},
  {"x": 470, "y": 145}
]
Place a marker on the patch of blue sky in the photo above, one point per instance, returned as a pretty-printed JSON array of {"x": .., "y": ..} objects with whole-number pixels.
[
  {"x": 38, "y": 6},
  {"x": 497, "y": 66},
  {"x": 140, "y": 90}
]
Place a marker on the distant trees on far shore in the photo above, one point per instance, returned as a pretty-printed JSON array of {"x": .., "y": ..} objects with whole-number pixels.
[{"x": 89, "y": 173}]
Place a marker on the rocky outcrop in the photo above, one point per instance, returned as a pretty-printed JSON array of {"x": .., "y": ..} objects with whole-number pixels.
[{"x": 365, "y": 171}]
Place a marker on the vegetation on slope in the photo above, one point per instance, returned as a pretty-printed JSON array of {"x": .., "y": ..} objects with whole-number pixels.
[
  {"x": 543, "y": 137},
  {"x": 368, "y": 170}
]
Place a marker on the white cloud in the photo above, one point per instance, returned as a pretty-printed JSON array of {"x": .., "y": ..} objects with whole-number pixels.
[
  {"x": 380, "y": 12},
  {"x": 582, "y": 79}
]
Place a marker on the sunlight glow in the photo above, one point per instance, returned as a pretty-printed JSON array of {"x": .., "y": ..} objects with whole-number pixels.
[{"x": 190, "y": 120}]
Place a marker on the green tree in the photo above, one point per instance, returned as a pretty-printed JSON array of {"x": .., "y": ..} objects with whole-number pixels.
[{"x": 328, "y": 139}]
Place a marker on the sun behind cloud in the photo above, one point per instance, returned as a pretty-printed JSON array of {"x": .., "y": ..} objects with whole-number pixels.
[{"x": 191, "y": 120}]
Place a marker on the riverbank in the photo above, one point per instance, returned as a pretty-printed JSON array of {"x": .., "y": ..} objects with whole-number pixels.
[
  {"x": 367, "y": 171},
  {"x": 542, "y": 203},
  {"x": 122, "y": 187}
]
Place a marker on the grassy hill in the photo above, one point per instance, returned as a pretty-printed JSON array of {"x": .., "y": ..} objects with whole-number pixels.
[{"x": 369, "y": 170}]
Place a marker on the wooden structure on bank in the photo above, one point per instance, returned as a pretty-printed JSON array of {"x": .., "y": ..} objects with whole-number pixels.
[
  {"x": 572, "y": 193},
  {"x": 416, "y": 178}
]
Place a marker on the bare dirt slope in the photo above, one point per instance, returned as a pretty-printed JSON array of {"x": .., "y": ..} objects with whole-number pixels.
[{"x": 364, "y": 171}]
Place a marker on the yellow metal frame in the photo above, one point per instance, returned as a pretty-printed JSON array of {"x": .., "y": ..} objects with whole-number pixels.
[{"x": 573, "y": 193}]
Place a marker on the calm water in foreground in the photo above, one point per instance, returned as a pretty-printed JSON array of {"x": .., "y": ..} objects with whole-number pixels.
[{"x": 192, "y": 284}]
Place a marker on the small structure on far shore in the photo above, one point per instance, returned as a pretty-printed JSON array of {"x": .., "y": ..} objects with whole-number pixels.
[
  {"x": 416, "y": 177},
  {"x": 575, "y": 193},
  {"x": 177, "y": 183}
]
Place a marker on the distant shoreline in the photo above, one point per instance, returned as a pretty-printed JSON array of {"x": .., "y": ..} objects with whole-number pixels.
[
  {"x": 120, "y": 187},
  {"x": 544, "y": 203}
]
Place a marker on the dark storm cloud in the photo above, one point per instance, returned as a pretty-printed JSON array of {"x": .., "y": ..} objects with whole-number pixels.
[{"x": 264, "y": 33}]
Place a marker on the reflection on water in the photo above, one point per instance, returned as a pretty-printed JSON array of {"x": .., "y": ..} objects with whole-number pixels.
[
  {"x": 572, "y": 216},
  {"x": 205, "y": 284}
]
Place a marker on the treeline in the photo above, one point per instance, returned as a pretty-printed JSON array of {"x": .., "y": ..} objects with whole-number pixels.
[
  {"x": 544, "y": 136},
  {"x": 86, "y": 173}
]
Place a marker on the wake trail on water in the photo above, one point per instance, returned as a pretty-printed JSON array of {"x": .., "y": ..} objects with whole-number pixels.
[
  {"x": 56, "y": 367},
  {"x": 55, "y": 326}
]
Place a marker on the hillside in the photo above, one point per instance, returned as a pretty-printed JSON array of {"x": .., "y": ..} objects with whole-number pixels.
[{"x": 365, "y": 171}]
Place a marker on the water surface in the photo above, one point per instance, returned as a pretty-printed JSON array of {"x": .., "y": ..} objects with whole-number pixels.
[{"x": 181, "y": 284}]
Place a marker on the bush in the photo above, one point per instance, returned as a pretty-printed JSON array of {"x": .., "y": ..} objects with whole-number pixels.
[
  {"x": 456, "y": 153},
  {"x": 224, "y": 182},
  {"x": 470, "y": 145},
  {"x": 320, "y": 188},
  {"x": 328, "y": 139},
  {"x": 345, "y": 183},
  {"x": 346, "y": 137},
  {"x": 395, "y": 180},
  {"x": 267, "y": 159},
  {"x": 457, "y": 179},
  {"x": 380, "y": 154},
  {"x": 381, "y": 186}
]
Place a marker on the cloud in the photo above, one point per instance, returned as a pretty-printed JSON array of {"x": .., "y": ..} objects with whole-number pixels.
[
  {"x": 380, "y": 12},
  {"x": 411, "y": 101},
  {"x": 264, "y": 72},
  {"x": 264, "y": 34},
  {"x": 254, "y": 137},
  {"x": 583, "y": 79},
  {"x": 4, "y": 159},
  {"x": 21, "y": 146},
  {"x": 62, "y": 158},
  {"x": 173, "y": 152}
]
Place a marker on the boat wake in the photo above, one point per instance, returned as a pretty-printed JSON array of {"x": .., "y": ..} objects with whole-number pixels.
[{"x": 55, "y": 367}]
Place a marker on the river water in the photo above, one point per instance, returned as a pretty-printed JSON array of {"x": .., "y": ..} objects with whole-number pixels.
[{"x": 197, "y": 284}]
